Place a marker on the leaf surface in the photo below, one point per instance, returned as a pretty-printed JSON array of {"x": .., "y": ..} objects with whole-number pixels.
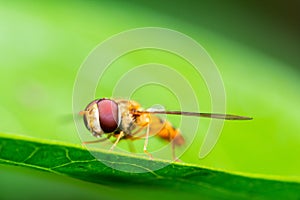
[{"x": 181, "y": 179}]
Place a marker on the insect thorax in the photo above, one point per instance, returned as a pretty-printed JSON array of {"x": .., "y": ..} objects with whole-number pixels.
[{"x": 127, "y": 119}]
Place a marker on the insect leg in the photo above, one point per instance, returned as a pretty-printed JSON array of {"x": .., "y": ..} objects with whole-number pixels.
[
  {"x": 131, "y": 138},
  {"x": 117, "y": 141},
  {"x": 146, "y": 142},
  {"x": 173, "y": 153},
  {"x": 95, "y": 141},
  {"x": 175, "y": 158}
]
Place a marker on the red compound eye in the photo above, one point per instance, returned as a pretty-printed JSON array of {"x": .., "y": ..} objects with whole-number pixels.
[{"x": 108, "y": 115}]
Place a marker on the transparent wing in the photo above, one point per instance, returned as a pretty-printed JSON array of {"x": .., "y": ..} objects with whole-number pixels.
[{"x": 195, "y": 114}]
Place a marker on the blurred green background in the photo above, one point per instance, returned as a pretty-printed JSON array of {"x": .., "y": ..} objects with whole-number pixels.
[{"x": 255, "y": 46}]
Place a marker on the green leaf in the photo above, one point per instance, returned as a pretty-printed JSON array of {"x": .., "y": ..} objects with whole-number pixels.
[{"x": 178, "y": 178}]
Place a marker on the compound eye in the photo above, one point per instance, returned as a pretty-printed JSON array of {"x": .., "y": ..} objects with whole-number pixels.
[{"x": 108, "y": 115}]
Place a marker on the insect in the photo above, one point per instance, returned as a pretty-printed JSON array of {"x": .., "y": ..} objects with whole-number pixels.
[{"x": 125, "y": 119}]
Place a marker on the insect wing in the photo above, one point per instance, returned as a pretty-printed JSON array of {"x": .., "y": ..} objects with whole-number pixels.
[
  {"x": 156, "y": 125},
  {"x": 195, "y": 114}
]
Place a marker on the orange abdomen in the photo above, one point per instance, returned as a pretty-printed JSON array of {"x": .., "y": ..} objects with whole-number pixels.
[{"x": 169, "y": 133}]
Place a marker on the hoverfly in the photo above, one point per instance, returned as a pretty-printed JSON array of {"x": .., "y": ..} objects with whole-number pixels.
[{"x": 124, "y": 119}]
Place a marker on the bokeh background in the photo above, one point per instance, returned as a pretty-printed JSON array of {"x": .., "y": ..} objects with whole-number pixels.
[{"x": 255, "y": 45}]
